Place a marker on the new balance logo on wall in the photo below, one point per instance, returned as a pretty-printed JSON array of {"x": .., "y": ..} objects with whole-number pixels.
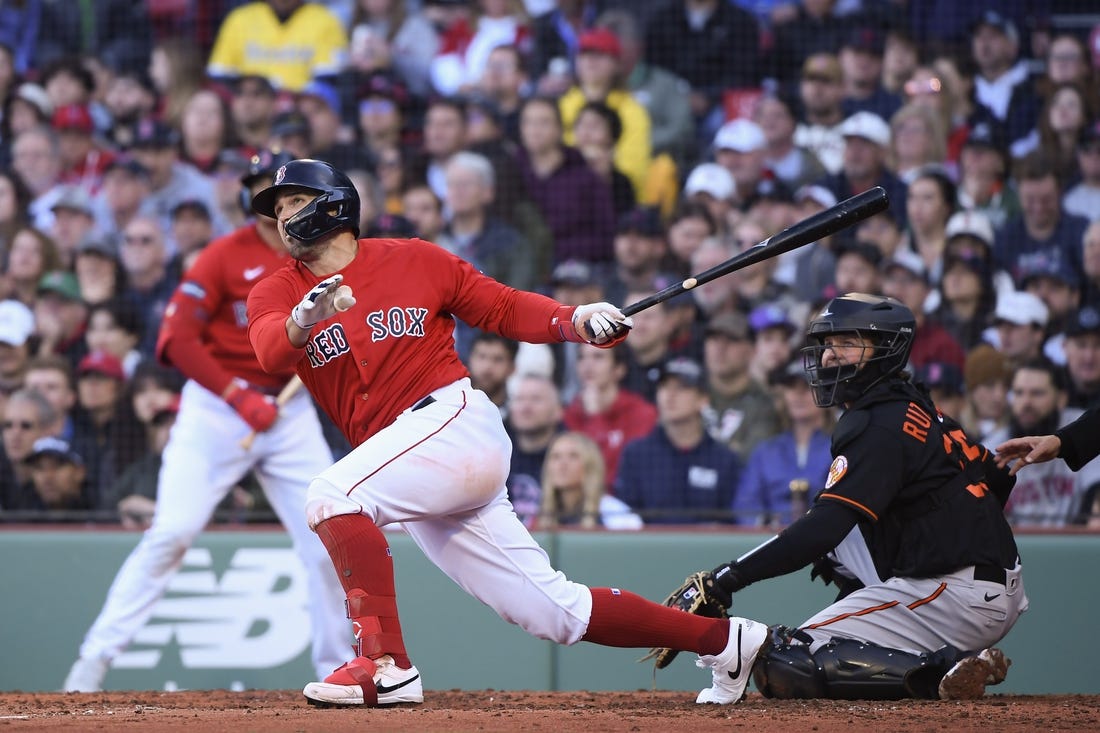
[{"x": 250, "y": 615}]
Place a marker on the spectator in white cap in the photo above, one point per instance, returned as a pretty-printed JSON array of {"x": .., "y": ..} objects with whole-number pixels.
[
  {"x": 866, "y": 143},
  {"x": 712, "y": 185},
  {"x": 905, "y": 277},
  {"x": 1019, "y": 327},
  {"x": 740, "y": 147},
  {"x": 970, "y": 234},
  {"x": 16, "y": 327}
]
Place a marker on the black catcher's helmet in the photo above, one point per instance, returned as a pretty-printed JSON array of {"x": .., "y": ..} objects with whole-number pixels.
[
  {"x": 888, "y": 323},
  {"x": 336, "y": 206},
  {"x": 263, "y": 165}
]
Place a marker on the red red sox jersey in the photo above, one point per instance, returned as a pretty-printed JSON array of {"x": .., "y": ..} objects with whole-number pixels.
[
  {"x": 209, "y": 306},
  {"x": 395, "y": 345}
]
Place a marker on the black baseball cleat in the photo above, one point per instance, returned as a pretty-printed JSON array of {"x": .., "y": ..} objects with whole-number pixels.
[{"x": 368, "y": 682}]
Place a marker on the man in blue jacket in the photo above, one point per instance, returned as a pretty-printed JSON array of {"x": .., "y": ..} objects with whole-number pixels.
[{"x": 678, "y": 474}]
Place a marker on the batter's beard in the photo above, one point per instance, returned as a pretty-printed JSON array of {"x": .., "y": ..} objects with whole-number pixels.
[{"x": 300, "y": 250}]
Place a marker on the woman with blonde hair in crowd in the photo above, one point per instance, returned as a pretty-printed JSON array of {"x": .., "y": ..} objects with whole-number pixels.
[
  {"x": 917, "y": 138},
  {"x": 573, "y": 488},
  {"x": 32, "y": 254}
]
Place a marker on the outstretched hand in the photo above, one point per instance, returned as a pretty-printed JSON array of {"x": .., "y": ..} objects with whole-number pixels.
[
  {"x": 326, "y": 299},
  {"x": 1028, "y": 449}
]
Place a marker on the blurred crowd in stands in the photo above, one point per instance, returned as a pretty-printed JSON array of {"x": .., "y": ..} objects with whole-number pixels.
[{"x": 592, "y": 150}]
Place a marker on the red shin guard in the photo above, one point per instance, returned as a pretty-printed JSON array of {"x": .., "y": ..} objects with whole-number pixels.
[{"x": 364, "y": 564}]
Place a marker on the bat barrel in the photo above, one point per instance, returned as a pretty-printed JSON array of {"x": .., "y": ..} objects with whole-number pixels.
[{"x": 813, "y": 228}]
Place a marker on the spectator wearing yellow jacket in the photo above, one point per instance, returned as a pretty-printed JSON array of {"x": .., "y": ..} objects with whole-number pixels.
[{"x": 598, "y": 81}]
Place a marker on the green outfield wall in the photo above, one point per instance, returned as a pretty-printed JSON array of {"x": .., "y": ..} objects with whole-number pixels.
[{"x": 234, "y": 616}]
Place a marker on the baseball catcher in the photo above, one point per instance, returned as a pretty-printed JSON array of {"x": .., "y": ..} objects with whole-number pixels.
[{"x": 909, "y": 526}]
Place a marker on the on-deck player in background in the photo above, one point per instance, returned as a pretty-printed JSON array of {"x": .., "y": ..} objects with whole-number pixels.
[
  {"x": 368, "y": 325},
  {"x": 910, "y": 526},
  {"x": 227, "y": 396}
]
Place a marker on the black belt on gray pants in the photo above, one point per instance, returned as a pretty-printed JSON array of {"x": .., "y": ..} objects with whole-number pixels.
[
  {"x": 429, "y": 400},
  {"x": 990, "y": 573}
]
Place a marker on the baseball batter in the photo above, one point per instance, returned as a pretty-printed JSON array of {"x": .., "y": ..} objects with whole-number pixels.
[
  {"x": 368, "y": 326},
  {"x": 910, "y": 525},
  {"x": 226, "y": 397}
]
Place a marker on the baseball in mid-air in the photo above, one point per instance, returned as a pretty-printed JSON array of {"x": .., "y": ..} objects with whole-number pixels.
[{"x": 690, "y": 283}]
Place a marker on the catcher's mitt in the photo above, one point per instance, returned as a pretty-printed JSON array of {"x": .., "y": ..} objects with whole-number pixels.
[{"x": 697, "y": 595}]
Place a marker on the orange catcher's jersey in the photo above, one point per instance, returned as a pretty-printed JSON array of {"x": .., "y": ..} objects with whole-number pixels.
[
  {"x": 396, "y": 344},
  {"x": 209, "y": 309}
]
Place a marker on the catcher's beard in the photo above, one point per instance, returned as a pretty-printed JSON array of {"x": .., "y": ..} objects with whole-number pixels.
[
  {"x": 360, "y": 554},
  {"x": 623, "y": 619}
]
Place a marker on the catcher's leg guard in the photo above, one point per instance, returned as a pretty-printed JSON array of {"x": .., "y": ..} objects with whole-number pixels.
[
  {"x": 847, "y": 669},
  {"x": 366, "y": 613}
]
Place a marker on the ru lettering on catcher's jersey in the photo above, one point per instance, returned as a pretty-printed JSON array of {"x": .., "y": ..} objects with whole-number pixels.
[{"x": 328, "y": 344}]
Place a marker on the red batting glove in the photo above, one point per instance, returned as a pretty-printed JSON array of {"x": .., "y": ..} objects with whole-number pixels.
[{"x": 258, "y": 410}]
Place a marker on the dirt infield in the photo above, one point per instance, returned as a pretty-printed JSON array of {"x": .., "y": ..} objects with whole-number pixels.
[{"x": 272, "y": 711}]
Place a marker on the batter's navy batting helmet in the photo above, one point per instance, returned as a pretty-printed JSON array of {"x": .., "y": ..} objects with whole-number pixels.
[
  {"x": 336, "y": 206},
  {"x": 262, "y": 165},
  {"x": 887, "y": 322}
]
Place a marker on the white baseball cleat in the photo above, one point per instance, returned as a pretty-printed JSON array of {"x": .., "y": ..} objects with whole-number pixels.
[
  {"x": 86, "y": 675},
  {"x": 732, "y": 668},
  {"x": 369, "y": 682},
  {"x": 968, "y": 678}
]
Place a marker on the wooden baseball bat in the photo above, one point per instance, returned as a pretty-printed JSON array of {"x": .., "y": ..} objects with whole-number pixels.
[
  {"x": 811, "y": 229},
  {"x": 289, "y": 390}
]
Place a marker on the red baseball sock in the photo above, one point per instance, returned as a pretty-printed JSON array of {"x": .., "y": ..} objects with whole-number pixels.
[
  {"x": 363, "y": 561},
  {"x": 625, "y": 619}
]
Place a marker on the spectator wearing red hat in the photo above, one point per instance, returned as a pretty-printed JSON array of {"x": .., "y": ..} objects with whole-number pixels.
[
  {"x": 599, "y": 80},
  {"x": 105, "y": 421},
  {"x": 465, "y": 45},
  {"x": 82, "y": 160}
]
